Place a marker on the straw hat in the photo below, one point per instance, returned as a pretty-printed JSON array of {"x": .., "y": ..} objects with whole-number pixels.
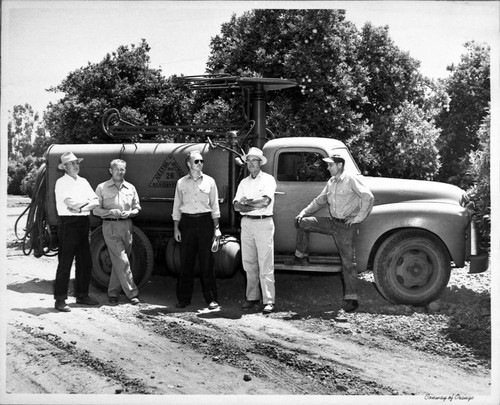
[
  {"x": 68, "y": 157},
  {"x": 255, "y": 152}
]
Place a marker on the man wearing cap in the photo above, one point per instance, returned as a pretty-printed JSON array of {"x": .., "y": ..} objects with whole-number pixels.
[
  {"x": 118, "y": 203},
  {"x": 74, "y": 201},
  {"x": 349, "y": 202},
  {"x": 196, "y": 216},
  {"x": 254, "y": 200}
]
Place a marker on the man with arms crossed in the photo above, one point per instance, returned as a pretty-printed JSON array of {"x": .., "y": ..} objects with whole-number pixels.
[
  {"x": 74, "y": 200},
  {"x": 254, "y": 200}
]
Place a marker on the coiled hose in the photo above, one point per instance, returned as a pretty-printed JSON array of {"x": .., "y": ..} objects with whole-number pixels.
[{"x": 37, "y": 236}]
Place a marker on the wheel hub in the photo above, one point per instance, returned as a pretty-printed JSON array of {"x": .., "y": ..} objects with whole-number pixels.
[
  {"x": 105, "y": 260},
  {"x": 413, "y": 269}
]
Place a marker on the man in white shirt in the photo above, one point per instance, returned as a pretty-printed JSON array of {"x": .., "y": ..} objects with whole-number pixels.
[
  {"x": 254, "y": 200},
  {"x": 74, "y": 201}
]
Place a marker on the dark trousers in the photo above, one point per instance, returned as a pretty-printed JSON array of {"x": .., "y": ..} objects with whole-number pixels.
[
  {"x": 73, "y": 235},
  {"x": 196, "y": 233},
  {"x": 345, "y": 239}
]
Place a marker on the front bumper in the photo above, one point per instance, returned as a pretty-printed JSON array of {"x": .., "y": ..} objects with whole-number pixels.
[{"x": 478, "y": 263}]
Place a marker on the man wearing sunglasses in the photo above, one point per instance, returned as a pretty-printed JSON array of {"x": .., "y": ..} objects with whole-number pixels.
[{"x": 196, "y": 216}]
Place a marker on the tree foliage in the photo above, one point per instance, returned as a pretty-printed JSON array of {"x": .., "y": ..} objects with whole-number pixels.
[
  {"x": 27, "y": 143},
  {"x": 22, "y": 127},
  {"x": 122, "y": 80},
  {"x": 468, "y": 87}
]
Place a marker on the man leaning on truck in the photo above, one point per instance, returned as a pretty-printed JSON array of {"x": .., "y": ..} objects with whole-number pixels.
[
  {"x": 118, "y": 203},
  {"x": 349, "y": 202}
]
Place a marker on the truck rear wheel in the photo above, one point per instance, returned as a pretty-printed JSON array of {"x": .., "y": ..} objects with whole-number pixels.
[
  {"x": 411, "y": 267},
  {"x": 141, "y": 259}
]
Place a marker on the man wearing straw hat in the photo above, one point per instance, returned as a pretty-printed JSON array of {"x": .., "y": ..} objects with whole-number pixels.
[
  {"x": 74, "y": 201},
  {"x": 254, "y": 200}
]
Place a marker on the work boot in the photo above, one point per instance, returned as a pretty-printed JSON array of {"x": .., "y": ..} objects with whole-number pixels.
[{"x": 350, "y": 305}]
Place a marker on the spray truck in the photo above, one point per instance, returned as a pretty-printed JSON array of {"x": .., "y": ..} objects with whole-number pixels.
[{"x": 416, "y": 232}]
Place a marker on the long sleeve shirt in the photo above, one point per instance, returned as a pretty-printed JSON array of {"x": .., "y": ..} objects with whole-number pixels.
[
  {"x": 347, "y": 197},
  {"x": 123, "y": 198},
  {"x": 196, "y": 196},
  {"x": 263, "y": 185},
  {"x": 73, "y": 193}
]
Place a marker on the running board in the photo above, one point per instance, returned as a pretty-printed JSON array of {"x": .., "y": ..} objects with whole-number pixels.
[{"x": 322, "y": 264}]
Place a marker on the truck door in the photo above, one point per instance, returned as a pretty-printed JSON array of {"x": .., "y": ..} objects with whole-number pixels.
[{"x": 300, "y": 176}]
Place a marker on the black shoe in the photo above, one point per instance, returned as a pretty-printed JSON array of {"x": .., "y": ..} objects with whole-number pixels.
[
  {"x": 181, "y": 304},
  {"x": 86, "y": 301},
  {"x": 297, "y": 261},
  {"x": 268, "y": 308},
  {"x": 250, "y": 304},
  {"x": 135, "y": 301},
  {"x": 350, "y": 305},
  {"x": 213, "y": 305},
  {"x": 113, "y": 300},
  {"x": 61, "y": 306}
]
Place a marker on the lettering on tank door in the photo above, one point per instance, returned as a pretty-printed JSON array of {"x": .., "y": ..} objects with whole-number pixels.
[{"x": 167, "y": 174}]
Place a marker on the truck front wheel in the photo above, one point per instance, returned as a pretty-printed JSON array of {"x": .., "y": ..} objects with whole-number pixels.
[
  {"x": 411, "y": 267},
  {"x": 141, "y": 259}
]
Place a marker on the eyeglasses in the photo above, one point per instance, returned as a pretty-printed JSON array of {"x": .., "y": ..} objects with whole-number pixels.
[{"x": 197, "y": 161}]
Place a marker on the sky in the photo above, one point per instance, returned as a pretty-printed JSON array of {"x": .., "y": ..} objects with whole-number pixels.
[{"x": 43, "y": 41}]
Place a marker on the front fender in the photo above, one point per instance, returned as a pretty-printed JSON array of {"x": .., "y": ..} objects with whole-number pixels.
[{"x": 449, "y": 222}]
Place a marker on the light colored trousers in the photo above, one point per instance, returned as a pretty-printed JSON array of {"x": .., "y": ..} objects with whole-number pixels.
[
  {"x": 118, "y": 238},
  {"x": 257, "y": 253}
]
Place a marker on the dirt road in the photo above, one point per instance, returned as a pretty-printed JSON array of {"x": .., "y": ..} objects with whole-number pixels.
[{"x": 155, "y": 349}]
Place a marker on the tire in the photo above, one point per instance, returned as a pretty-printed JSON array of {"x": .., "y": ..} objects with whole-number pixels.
[
  {"x": 141, "y": 259},
  {"x": 173, "y": 259},
  {"x": 411, "y": 267}
]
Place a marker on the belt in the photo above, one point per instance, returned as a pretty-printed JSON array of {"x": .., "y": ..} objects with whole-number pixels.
[
  {"x": 201, "y": 214},
  {"x": 257, "y": 216},
  {"x": 342, "y": 220},
  {"x": 115, "y": 219}
]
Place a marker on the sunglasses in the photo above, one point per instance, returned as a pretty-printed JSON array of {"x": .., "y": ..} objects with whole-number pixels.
[{"x": 197, "y": 161}]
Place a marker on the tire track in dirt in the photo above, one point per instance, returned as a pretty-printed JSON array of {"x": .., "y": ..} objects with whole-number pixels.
[
  {"x": 69, "y": 354},
  {"x": 299, "y": 370}
]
